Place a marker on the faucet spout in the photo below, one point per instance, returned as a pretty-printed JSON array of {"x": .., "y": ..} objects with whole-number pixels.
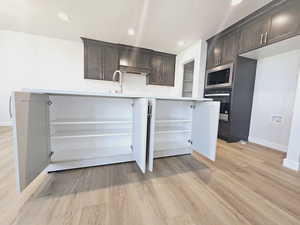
[{"x": 118, "y": 72}]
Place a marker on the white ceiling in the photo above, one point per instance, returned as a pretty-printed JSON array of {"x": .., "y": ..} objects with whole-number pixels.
[{"x": 159, "y": 24}]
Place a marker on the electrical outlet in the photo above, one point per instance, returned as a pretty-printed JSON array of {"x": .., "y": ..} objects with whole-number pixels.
[{"x": 277, "y": 119}]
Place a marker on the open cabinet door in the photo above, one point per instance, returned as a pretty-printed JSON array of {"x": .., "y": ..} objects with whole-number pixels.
[
  {"x": 140, "y": 114},
  {"x": 31, "y": 135},
  {"x": 151, "y": 133},
  {"x": 205, "y": 128}
]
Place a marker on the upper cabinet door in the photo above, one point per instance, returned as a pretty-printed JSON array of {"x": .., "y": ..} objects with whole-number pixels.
[
  {"x": 169, "y": 62},
  {"x": 253, "y": 34},
  {"x": 101, "y": 59},
  {"x": 135, "y": 57},
  {"x": 110, "y": 61},
  {"x": 93, "y": 64},
  {"x": 155, "y": 77},
  {"x": 214, "y": 52},
  {"x": 205, "y": 128},
  {"x": 285, "y": 22},
  {"x": 230, "y": 47},
  {"x": 31, "y": 136},
  {"x": 162, "y": 69}
]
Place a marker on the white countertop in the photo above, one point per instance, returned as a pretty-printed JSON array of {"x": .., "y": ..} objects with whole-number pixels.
[{"x": 102, "y": 94}]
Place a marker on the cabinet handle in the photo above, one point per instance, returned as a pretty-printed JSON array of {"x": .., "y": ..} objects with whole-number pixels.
[
  {"x": 266, "y": 38},
  {"x": 9, "y": 107},
  {"x": 261, "y": 39}
]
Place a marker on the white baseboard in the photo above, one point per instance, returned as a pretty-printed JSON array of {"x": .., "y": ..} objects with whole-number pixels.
[
  {"x": 268, "y": 144},
  {"x": 6, "y": 124},
  {"x": 293, "y": 165}
]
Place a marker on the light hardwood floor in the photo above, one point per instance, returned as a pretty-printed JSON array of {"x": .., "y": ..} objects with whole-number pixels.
[{"x": 246, "y": 185}]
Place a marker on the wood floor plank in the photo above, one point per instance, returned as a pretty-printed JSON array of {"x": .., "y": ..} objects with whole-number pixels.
[{"x": 247, "y": 185}]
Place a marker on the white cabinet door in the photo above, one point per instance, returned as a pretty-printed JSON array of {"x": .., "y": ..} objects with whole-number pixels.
[
  {"x": 31, "y": 135},
  {"x": 139, "y": 136},
  {"x": 151, "y": 134},
  {"x": 205, "y": 128}
]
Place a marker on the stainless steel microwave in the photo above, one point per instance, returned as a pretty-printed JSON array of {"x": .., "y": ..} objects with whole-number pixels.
[{"x": 219, "y": 77}]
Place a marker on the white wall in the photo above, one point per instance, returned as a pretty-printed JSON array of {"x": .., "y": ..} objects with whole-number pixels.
[
  {"x": 32, "y": 61},
  {"x": 274, "y": 95},
  {"x": 293, "y": 156},
  {"x": 197, "y": 52}
]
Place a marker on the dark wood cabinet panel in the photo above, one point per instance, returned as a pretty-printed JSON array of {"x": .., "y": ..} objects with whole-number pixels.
[
  {"x": 155, "y": 77},
  {"x": 169, "y": 62},
  {"x": 214, "y": 52},
  {"x": 210, "y": 63},
  {"x": 93, "y": 61},
  {"x": 253, "y": 34},
  {"x": 285, "y": 22},
  {"x": 101, "y": 60},
  {"x": 230, "y": 47},
  {"x": 222, "y": 50},
  {"x": 110, "y": 61},
  {"x": 163, "y": 69},
  {"x": 135, "y": 57}
]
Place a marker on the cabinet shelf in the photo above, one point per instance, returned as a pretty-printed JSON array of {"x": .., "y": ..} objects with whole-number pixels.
[
  {"x": 164, "y": 149},
  {"x": 172, "y": 131},
  {"x": 159, "y": 146},
  {"x": 88, "y": 134},
  {"x": 89, "y": 122},
  {"x": 89, "y": 153},
  {"x": 188, "y": 81},
  {"x": 173, "y": 121}
]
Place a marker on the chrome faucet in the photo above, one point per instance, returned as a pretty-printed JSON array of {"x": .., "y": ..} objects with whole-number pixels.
[{"x": 120, "y": 80}]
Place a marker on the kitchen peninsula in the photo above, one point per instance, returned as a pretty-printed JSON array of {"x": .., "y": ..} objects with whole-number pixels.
[{"x": 61, "y": 130}]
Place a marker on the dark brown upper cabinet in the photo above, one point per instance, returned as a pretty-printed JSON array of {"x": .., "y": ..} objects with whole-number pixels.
[
  {"x": 279, "y": 21},
  {"x": 155, "y": 77},
  {"x": 163, "y": 69},
  {"x": 214, "y": 52},
  {"x": 222, "y": 50},
  {"x": 230, "y": 48},
  {"x": 101, "y": 59},
  {"x": 253, "y": 35},
  {"x": 285, "y": 22},
  {"x": 169, "y": 62},
  {"x": 110, "y": 61},
  {"x": 134, "y": 59}
]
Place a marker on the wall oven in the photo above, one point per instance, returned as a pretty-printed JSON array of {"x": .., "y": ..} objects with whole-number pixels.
[
  {"x": 224, "y": 98},
  {"x": 219, "y": 77}
]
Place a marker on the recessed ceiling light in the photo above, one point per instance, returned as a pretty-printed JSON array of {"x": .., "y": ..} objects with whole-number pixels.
[
  {"x": 63, "y": 16},
  {"x": 180, "y": 43},
  {"x": 131, "y": 32},
  {"x": 236, "y": 2}
]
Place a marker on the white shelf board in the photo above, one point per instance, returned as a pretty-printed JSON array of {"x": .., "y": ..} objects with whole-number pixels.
[
  {"x": 94, "y": 133},
  {"x": 89, "y": 122},
  {"x": 159, "y": 146},
  {"x": 172, "y": 152},
  {"x": 172, "y": 131},
  {"x": 173, "y": 121},
  {"x": 89, "y": 153}
]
